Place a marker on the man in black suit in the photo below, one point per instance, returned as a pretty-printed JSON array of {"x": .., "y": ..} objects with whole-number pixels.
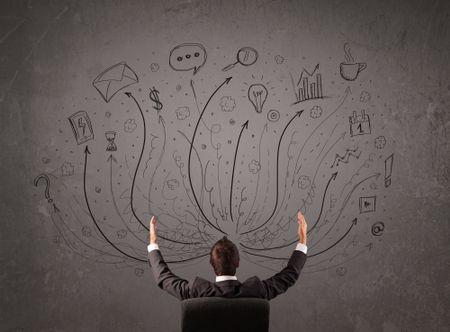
[{"x": 224, "y": 259}]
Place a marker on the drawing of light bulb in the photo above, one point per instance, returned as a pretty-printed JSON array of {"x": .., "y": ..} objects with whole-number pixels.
[{"x": 257, "y": 93}]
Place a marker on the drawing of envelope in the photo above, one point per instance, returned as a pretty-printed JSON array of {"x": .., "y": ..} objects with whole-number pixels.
[{"x": 114, "y": 79}]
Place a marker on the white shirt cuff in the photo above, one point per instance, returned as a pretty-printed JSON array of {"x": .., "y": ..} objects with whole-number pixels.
[
  {"x": 152, "y": 246},
  {"x": 302, "y": 247}
]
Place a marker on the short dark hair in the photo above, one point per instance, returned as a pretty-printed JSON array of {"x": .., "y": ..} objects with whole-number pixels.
[{"x": 224, "y": 257}]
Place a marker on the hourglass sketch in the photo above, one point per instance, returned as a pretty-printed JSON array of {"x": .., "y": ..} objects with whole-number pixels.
[{"x": 110, "y": 137}]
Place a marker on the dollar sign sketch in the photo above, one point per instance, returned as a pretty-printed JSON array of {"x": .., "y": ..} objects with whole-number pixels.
[{"x": 154, "y": 97}]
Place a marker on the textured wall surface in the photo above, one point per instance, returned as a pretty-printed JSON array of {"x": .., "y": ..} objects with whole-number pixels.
[{"x": 225, "y": 117}]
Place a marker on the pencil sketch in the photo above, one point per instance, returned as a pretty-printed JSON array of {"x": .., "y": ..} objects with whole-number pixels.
[
  {"x": 359, "y": 124},
  {"x": 246, "y": 56},
  {"x": 67, "y": 169},
  {"x": 154, "y": 96},
  {"x": 154, "y": 67},
  {"x": 273, "y": 115},
  {"x": 208, "y": 166},
  {"x": 114, "y": 79},
  {"x": 227, "y": 104},
  {"x": 367, "y": 204},
  {"x": 110, "y": 137},
  {"x": 279, "y": 59},
  {"x": 188, "y": 56},
  {"x": 388, "y": 170},
  {"x": 81, "y": 127},
  {"x": 308, "y": 86},
  {"x": 257, "y": 94},
  {"x": 129, "y": 125},
  {"x": 350, "y": 69},
  {"x": 380, "y": 142},
  {"x": 378, "y": 228}
]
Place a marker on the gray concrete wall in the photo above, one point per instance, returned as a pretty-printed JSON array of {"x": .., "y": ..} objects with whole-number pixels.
[{"x": 374, "y": 187}]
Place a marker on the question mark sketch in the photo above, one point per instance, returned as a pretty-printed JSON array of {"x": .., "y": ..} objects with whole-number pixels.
[{"x": 47, "y": 185}]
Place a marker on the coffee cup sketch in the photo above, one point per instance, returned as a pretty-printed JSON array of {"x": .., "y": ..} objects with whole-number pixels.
[
  {"x": 350, "y": 68},
  {"x": 350, "y": 71}
]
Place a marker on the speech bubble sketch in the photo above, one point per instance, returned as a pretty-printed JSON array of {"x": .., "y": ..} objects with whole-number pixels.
[{"x": 187, "y": 56}]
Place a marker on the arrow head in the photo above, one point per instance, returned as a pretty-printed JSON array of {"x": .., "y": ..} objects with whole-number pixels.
[
  {"x": 86, "y": 150},
  {"x": 111, "y": 158},
  {"x": 245, "y": 125},
  {"x": 370, "y": 246},
  {"x": 348, "y": 90},
  {"x": 128, "y": 94},
  {"x": 161, "y": 119},
  {"x": 228, "y": 80},
  {"x": 354, "y": 222},
  {"x": 299, "y": 113},
  {"x": 55, "y": 208}
]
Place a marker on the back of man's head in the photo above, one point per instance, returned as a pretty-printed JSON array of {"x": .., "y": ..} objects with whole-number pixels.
[{"x": 224, "y": 257}]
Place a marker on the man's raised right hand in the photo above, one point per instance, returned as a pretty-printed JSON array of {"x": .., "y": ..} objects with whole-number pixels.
[{"x": 301, "y": 228}]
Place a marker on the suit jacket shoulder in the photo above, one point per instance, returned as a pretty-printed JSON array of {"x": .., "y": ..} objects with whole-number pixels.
[{"x": 252, "y": 287}]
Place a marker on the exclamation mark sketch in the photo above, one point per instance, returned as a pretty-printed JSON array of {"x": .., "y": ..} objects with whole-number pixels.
[{"x": 388, "y": 170}]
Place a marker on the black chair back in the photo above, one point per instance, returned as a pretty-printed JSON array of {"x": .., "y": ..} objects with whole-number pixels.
[{"x": 218, "y": 314}]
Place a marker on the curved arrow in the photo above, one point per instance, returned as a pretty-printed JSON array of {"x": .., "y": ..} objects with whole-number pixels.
[
  {"x": 316, "y": 254},
  {"x": 188, "y": 259},
  {"x": 100, "y": 252},
  {"x": 270, "y": 248},
  {"x": 111, "y": 159},
  {"x": 333, "y": 177},
  {"x": 334, "y": 257},
  {"x": 298, "y": 114},
  {"x": 344, "y": 204},
  {"x": 309, "y": 196},
  {"x": 266, "y": 256},
  {"x": 163, "y": 122},
  {"x": 139, "y": 160},
  {"x": 199, "y": 161},
  {"x": 368, "y": 246},
  {"x": 259, "y": 175},
  {"x": 86, "y": 152},
  {"x": 190, "y": 153},
  {"x": 244, "y": 126},
  {"x": 354, "y": 222},
  {"x": 347, "y": 92}
]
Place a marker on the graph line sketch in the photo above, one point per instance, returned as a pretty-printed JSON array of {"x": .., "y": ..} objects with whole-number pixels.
[{"x": 308, "y": 86}]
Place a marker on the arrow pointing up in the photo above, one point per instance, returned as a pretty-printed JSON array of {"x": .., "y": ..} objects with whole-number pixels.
[{"x": 244, "y": 126}]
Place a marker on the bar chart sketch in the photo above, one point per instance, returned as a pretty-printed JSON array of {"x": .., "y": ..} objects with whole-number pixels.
[{"x": 308, "y": 86}]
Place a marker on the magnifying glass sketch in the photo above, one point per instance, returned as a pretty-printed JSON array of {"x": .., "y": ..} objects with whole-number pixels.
[{"x": 246, "y": 56}]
